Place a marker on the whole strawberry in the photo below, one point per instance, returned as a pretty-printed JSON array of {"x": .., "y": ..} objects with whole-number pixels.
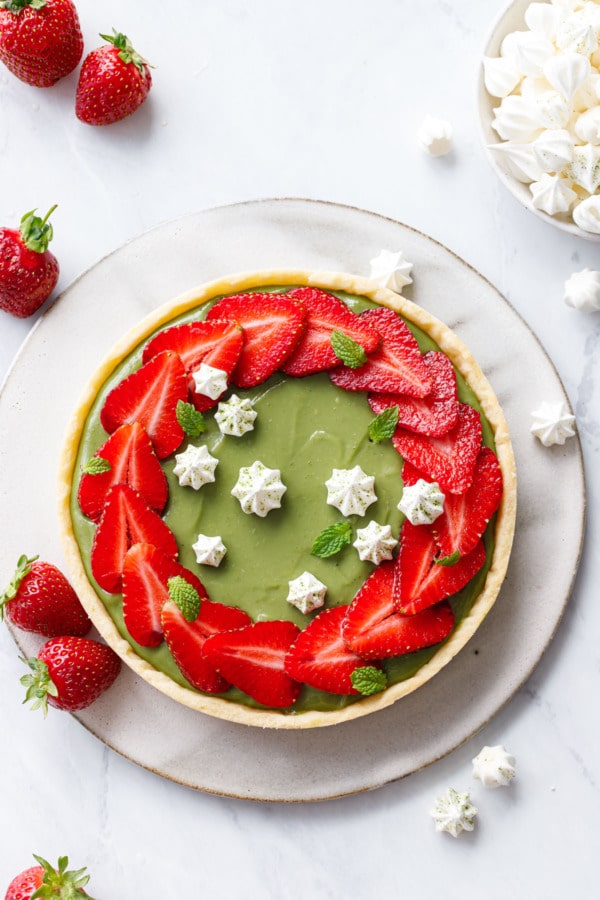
[
  {"x": 44, "y": 880},
  {"x": 40, "y": 599},
  {"x": 40, "y": 40},
  {"x": 28, "y": 270},
  {"x": 69, "y": 673},
  {"x": 114, "y": 81}
]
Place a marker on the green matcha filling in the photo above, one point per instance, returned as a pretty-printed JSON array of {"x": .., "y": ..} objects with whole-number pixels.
[{"x": 305, "y": 427}]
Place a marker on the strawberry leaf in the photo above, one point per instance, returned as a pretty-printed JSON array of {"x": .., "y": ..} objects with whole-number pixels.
[
  {"x": 17, "y": 5},
  {"x": 36, "y": 233},
  {"x": 368, "y": 680},
  {"x": 126, "y": 52},
  {"x": 10, "y": 592},
  {"x": 38, "y": 685},
  {"x": 190, "y": 419},
  {"x": 350, "y": 353},
  {"x": 59, "y": 882},
  {"x": 384, "y": 425},
  {"x": 332, "y": 539}
]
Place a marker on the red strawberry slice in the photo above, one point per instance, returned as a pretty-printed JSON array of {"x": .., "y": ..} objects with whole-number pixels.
[
  {"x": 320, "y": 657},
  {"x": 150, "y": 396},
  {"x": 374, "y": 629},
  {"x": 433, "y": 415},
  {"x": 186, "y": 640},
  {"x": 420, "y": 579},
  {"x": 449, "y": 460},
  {"x": 217, "y": 343},
  {"x": 396, "y": 366},
  {"x": 146, "y": 572},
  {"x": 465, "y": 516},
  {"x": 325, "y": 313},
  {"x": 126, "y": 520},
  {"x": 253, "y": 659},
  {"x": 133, "y": 462},
  {"x": 272, "y": 323}
]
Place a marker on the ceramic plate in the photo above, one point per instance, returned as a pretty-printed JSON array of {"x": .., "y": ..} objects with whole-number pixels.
[{"x": 64, "y": 349}]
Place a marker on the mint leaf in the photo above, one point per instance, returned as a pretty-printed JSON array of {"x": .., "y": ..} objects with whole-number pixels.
[
  {"x": 190, "y": 419},
  {"x": 384, "y": 425},
  {"x": 332, "y": 539},
  {"x": 350, "y": 353},
  {"x": 185, "y": 596},
  {"x": 368, "y": 680},
  {"x": 96, "y": 466}
]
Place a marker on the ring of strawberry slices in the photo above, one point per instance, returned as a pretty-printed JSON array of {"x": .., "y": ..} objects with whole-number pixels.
[{"x": 402, "y": 606}]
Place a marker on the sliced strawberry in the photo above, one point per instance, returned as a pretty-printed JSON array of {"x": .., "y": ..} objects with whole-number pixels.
[
  {"x": 325, "y": 313},
  {"x": 132, "y": 461},
  {"x": 374, "y": 629},
  {"x": 449, "y": 460},
  {"x": 466, "y": 516},
  {"x": 396, "y": 366},
  {"x": 433, "y": 415},
  {"x": 126, "y": 520},
  {"x": 217, "y": 343},
  {"x": 146, "y": 572},
  {"x": 320, "y": 658},
  {"x": 272, "y": 323},
  {"x": 186, "y": 640},
  {"x": 253, "y": 659},
  {"x": 150, "y": 396},
  {"x": 421, "y": 580}
]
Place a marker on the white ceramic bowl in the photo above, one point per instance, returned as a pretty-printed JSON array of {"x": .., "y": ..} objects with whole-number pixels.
[{"x": 513, "y": 19}]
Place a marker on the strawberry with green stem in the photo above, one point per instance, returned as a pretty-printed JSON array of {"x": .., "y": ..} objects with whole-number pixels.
[
  {"x": 28, "y": 270},
  {"x": 114, "y": 81},
  {"x": 40, "y": 40},
  {"x": 46, "y": 881},
  {"x": 40, "y": 599},
  {"x": 69, "y": 673}
]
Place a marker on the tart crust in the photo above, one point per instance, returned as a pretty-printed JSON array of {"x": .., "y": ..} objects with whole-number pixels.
[{"x": 464, "y": 361}]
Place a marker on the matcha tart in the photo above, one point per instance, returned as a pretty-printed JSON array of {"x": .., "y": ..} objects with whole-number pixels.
[{"x": 287, "y": 498}]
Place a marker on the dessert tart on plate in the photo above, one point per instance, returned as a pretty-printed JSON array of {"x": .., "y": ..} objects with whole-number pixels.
[{"x": 287, "y": 498}]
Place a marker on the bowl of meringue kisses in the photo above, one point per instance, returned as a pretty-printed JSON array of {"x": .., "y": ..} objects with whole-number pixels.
[{"x": 539, "y": 103}]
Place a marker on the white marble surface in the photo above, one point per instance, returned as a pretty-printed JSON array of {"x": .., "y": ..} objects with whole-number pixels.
[{"x": 321, "y": 101}]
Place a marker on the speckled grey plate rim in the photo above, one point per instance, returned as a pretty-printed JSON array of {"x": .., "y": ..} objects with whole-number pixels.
[{"x": 229, "y": 759}]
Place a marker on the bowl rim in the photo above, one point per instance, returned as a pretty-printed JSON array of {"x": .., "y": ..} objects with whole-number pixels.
[{"x": 513, "y": 12}]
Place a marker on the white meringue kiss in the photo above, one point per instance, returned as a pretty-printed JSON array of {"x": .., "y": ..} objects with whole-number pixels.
[
  {"x": 576, "y": 34},
  {"x": 585, "y": 168},
  {"x": 542, "y": 18},
  {"x": 587, "y": 126},
  {"x": 529, "y": 51},
  {"x": 553, "y": 150},
  {"x": 518, "y": 160},
  {"x": 586, "y": 215},
  {"x": 516, "y": 120},
  {"x": 501, "y": 76},
  {"x": 567, "y": 72},
  {"x": 553, "y": 110},
  {"x": 582, "y": 291},
  {"x": 552, "y": 194}
]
